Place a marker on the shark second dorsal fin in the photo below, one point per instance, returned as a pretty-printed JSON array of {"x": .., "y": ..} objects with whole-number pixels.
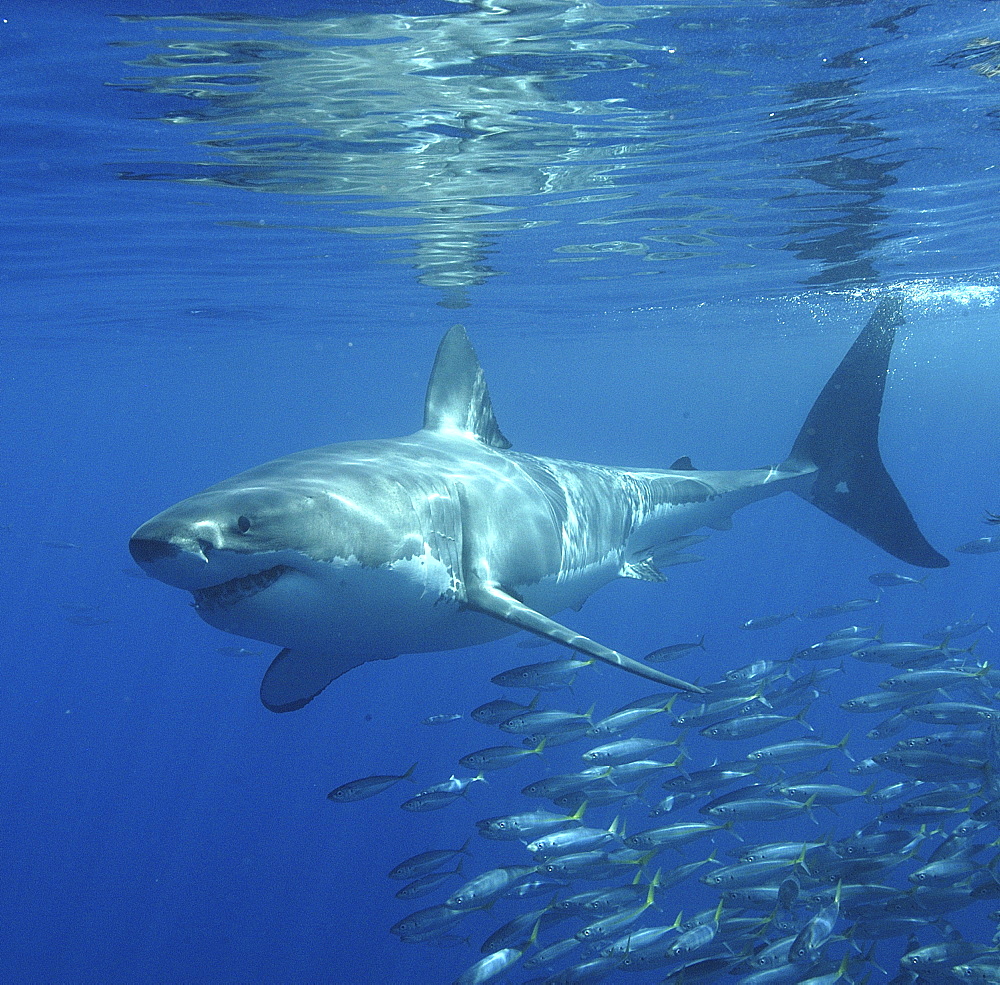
[{"x": 458, "y": 400}]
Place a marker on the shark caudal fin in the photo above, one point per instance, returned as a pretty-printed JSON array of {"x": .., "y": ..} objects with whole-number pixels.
[{"x": 840, "y": 438}]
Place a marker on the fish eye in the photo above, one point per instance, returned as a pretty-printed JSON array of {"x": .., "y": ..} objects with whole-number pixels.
[{"x": 243, "y": 524}]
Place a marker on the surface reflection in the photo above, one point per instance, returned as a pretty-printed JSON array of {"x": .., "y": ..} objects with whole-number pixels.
[{"x": 720, "y": 148}]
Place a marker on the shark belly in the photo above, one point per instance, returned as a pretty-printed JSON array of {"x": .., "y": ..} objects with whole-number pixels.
[{"x": 408, "y": 606}]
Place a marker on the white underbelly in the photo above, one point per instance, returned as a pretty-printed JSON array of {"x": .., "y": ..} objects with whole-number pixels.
[
  {"x": 406, "y": 607},
  {"x": 410, "y": 606}
]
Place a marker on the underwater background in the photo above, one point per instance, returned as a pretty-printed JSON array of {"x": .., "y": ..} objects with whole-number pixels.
[{"x": 237, "y": 230}]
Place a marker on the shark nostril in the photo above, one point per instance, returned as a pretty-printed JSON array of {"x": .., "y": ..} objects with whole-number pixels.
[{"x": 145, "y": 551}]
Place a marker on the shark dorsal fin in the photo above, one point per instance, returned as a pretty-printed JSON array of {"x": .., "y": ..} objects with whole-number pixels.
[{"x": 458, "y": 400}]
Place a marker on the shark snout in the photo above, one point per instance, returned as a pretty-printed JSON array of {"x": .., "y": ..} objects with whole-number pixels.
[
  {"x": 162, "y": 540},
  {"x": 177, "y": 553},
  {"x": 145, "y": 550},
  {"x": 190, "y": 554},
  {"x": 174, "y": 561}
]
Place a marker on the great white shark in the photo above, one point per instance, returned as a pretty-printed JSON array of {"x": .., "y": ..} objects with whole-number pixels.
[{"x": 446, "y": 538}]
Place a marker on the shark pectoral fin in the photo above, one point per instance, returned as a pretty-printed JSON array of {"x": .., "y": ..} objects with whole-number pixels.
[
  {"x": 493, "y": 601},
  {"x": 295, "y": 678}
]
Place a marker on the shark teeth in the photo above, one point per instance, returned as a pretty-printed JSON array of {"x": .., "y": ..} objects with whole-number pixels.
[{"x": 237, "y": 589}]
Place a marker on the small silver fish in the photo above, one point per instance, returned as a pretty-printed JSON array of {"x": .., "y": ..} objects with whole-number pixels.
[
  {"x": 674, "y": 650},
  {"x": 981, "y": 545},
  {"x": 546, "y": 676},
  {"x": 767, "y": 622},
  {"x": 498, "y": 757},
  {"x": 440, "y": 795},
  {"x": 852, "y": 605},
  {"x": 367, "y": 786},
  {"x": 889, "y": 579},
  {"x": 426, "y": 862},
  {"x": 956, "y": 630}
]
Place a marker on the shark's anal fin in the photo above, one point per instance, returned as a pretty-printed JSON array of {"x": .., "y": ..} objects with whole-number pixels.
[
  {"x": 493, "y": 601},
  {"x": 295, "y": 678}
]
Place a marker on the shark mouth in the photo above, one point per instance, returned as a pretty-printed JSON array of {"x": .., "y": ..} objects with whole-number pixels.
[{"x": 237, "y": 589}]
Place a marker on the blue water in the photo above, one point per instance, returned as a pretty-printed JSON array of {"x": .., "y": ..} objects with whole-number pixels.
[{"x": 227, "y": 238}]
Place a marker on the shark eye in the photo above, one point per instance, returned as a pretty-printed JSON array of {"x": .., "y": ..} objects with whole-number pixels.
[{"x": 243, "y": 524}]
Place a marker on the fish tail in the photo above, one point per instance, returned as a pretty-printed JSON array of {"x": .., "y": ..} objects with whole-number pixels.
[
  {"x": 839, "y": 439},
  {"x": 651, "y": 892},
  {"x": 808, "y": 806}
]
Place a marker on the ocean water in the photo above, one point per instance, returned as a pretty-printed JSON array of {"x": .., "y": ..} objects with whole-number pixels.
[{"x": 236, "y": 230}]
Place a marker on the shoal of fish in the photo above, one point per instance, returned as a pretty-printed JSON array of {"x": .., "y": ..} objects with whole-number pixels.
[{"x": 689, "y": 843}]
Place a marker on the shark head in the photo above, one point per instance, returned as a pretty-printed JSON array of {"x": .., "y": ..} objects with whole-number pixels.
[
  {"x": 308, "y": 551},
  {"x": 242, "y": 550},
  {"x": 312, "y": 551},
  {"x": 221, "y": 535}
]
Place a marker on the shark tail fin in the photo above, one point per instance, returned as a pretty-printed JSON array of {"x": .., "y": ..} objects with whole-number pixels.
[{"x": 840, "y": 439}]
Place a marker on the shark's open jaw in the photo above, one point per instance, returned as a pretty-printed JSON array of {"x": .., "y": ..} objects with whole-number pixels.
[{"x": 237, "y": 589}]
